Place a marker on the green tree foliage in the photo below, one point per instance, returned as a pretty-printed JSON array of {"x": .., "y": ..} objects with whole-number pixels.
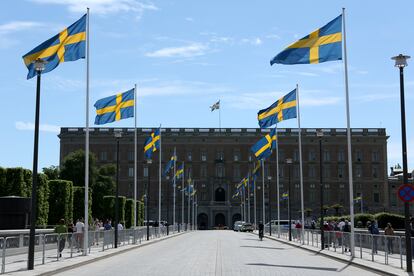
[
  {"x": 109, "y": 203},
  {"x": 79, "y": 203},
  {"x": 337, "y": 208},
  {"x": 52, "y": 172},
  {"x": 60, "y": 201},
  {"x": 104, "y": 185},
  {"x": 73, "y": 168}
]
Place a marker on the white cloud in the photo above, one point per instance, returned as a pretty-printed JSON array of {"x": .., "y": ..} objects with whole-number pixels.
[
  {"x": 195, "y": 49},
  {"x": 15, "y": 26},
  {"x": 190, "y": 19},
  {"x": 42, "y": 127},
  {"x": 102, "y": 6},
  {"x": 253, "y": 41},
  {"x": 7, "y": 29}
]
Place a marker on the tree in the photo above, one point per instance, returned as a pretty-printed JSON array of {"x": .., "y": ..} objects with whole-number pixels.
[
  {"x": 73, "y": 168},
  {"x": 337, "y": 207},
  {"x": 52, "y": 172},
  {"x": 104, "y": 186},
  {"x": 308, "y": 212},
  {"x": 325, "y": 209}
]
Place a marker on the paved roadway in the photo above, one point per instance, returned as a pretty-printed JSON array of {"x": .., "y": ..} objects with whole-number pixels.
[{"x": 217, "y": 253}]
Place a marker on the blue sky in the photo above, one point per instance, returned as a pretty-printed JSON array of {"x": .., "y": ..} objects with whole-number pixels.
[{"x": 185, "y": 55}]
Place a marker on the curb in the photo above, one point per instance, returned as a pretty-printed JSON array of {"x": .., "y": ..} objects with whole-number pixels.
[
  {"x": 349, "y": 262},
  {"x": 70, "y": 267}
]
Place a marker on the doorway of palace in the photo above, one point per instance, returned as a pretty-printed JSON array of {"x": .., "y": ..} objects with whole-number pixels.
[
  {"x": 202, "y": 222},
  {"x": 220, "y": 220}
]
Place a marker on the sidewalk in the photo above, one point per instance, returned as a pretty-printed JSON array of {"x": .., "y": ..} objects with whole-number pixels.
[
  {"x": 17, "y": 266},
  {"x": 391, "y": 269}
]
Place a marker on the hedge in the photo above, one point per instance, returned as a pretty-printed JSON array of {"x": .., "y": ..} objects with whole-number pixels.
[
  {"x": 109, "y": 203},
  {"x": 78, "y": 194},
  {"x": 140, "y": 213},
  {"x": 42, "y": 200},
  {"x": 397, "y": 221},
  {"x": 129, "y": 213},
  {"x": 3, "y": 182},
  {"x": 16, "y": 184},
  {"x": 60, "y": 201}
]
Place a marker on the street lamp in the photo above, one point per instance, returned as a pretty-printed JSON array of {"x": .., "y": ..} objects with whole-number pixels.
[
  {"x": 269, "y": 178},
  {"x": 39, "y": 66},
  {"x": 118, "y": 135},
  {"x": 289, "y": 163},
  {"x": 319, "y": 133},
  {"x": 168, "y": 203},
  {"x": 149, "y": 162},
  {"x": 401, "y": 62}
]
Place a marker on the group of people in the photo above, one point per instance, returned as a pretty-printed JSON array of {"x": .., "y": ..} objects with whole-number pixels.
[{"x": 76, "y": 232}]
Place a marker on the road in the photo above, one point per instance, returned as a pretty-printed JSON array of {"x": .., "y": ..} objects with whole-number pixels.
[{"x": 217, "y": 253}]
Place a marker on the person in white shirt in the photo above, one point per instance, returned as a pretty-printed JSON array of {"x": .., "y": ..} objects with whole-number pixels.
[
  {"x": 120, "y": 226},
  {"x": 79, "y": 233}
]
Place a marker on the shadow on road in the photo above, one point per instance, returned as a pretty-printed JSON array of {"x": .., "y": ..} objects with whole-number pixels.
[
  {"x": 297, "y": 266},
  {"x": 263, "y": 247}
]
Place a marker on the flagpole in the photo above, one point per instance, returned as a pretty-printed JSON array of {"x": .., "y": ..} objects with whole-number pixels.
[
  {"x": 348, "y": 136},
  {"x": 174, "y": 186},
  {"x": 135, "y": 158},
  {"x": 362, "y": 209},
  {"x": 277, "y": 184},
  {"x": 248, "y": 197},
  {"x": 241, "y": 207},
  {"x": 189, "y": 201},
  {"x": 244, "y": 203},
  {"x": 159, "y": 183},
  {"x": 254, "y": 202},
  {"x": 302, "y": 204},
  {"x": 86, "y": 200},
  {"x": 182, "y": 197},
  {"x": 263, "y": 194}
]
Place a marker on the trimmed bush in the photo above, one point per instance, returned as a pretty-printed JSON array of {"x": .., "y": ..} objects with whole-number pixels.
[
  {"x": 3, "y": 181},
  {"x": 359, "y": 219},
  {"x": 78, "y": 194},
  {"x": 60, "y": 201},
  {"x": 42, "y": 200},
  {"x": 397, "y": 221},
  {"x": 129, "y": 213},
  {"x": 140, "y": 213},
  {"x": 15, "y": 183},
  {"x": 109, "y": 203}
]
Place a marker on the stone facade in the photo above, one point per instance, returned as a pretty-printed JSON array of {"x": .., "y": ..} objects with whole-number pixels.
[{"x": 218, "y": 159}]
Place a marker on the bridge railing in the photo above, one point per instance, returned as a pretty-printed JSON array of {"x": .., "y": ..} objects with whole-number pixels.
[
  {"x": 385, "y": 249},
  {"x": 55, "y": 247}
]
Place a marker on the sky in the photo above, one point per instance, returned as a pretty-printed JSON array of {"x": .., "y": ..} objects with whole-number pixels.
[{"x": 185, "y": 55}]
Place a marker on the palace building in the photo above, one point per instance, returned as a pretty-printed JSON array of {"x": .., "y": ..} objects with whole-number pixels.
[{"x": 217, "y": 159}]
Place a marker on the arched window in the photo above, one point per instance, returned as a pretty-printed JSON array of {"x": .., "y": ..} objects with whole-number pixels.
[{"x": 220, "y": 195}]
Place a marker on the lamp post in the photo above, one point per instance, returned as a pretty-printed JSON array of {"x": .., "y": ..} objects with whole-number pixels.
[
  {"x": 401, "y": 62},
  {"x": 269, "y": 178},
  {"x": 319, "y": 133},
  {"x": 289, "y": 163},
  {"x": 39, "y": 67},
  {"x": 147, "y": 189},
  {"x": 168, "y": 204},
  {"x": 118, "y": 136}
]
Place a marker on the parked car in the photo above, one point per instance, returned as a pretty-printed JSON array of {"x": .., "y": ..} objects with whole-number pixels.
[
  {"x": 247, "y": 227},
  {"x": 237, "y": 225}
]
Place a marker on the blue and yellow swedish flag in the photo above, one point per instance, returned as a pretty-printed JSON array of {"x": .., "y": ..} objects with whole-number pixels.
[
  {"x": 285, "y": 195},
  {"x": 68, "y": 45},
  {"x": 256, "y": 168},
  {"x": 115, "y": 108},
  {"x": 169, "y": 165},
  {"x": 282, "y": 109},
  {"x": 152, "y": 143},
  {"x": 236, "y": 194},
  {"x": 263, "y": 148},
  {"x": 324, "y": 44},
  {"x": 180, "y": 171}
]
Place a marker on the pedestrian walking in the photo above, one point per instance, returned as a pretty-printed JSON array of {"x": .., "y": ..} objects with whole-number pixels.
[
  {"x": 79, "y": 233},
  {"x": 389, "y": 232},
  {"x": 346, "y": 235},
  {"x": 61, "y": 229},
  {"x": 374, "y": 231}
]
